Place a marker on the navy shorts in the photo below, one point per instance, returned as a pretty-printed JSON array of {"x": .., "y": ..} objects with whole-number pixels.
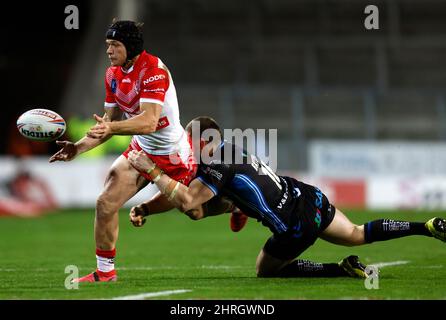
[{"x": 314, "y": 214}]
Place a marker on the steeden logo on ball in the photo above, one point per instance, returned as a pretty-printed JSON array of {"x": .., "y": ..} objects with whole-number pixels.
[{"x": 41, "y": 125}]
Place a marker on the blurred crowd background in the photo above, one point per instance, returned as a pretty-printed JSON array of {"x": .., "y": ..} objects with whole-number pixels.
[{"x": 308, "y": 68}]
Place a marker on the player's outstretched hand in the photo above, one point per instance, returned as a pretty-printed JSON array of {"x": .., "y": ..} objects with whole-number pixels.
[
  {"x": 101, "y": 130},
  {"x": 68, "y": 152},
  {"x": 137, "y": 216},
  {"x": 140, "y": 160}
]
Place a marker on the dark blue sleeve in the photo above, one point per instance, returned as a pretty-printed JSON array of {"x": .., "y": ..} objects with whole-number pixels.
[{"x": 214, "y": 176}]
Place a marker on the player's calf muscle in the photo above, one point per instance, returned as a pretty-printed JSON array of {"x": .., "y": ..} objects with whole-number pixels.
[
  {"x": 356, "y": 236},
  {"x": 352, "y": 236}
]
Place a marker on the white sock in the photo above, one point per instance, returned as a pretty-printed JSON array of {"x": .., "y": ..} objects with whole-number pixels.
[{"x": 105, "y": 264}]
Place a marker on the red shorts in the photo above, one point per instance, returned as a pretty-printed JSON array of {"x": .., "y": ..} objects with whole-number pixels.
[{"x": 172, "y": 165}]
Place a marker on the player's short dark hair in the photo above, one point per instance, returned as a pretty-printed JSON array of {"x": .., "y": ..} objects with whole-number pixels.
[{"x": 205, "y": 123}]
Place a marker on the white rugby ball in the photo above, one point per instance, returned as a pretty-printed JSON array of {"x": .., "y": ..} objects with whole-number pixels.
[{"x": 41, "y": 125}]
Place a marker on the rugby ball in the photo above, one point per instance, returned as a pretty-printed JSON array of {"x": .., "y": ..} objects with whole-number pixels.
[{"x": 41, "y": 125}]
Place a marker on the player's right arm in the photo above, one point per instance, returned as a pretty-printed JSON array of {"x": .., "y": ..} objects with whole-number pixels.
[
  {"x": 159, "y": 204},
  {"x": 193, "y": 200},
  {"x": 71, "y": 150}
]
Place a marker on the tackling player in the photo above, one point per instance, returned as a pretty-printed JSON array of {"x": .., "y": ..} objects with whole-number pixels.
[
  {"x": 296, "y": 213},
  {"x": 141, "y": 101}
]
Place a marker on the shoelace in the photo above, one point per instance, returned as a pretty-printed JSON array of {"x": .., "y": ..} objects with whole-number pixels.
[{"x": 442, "y": 225}]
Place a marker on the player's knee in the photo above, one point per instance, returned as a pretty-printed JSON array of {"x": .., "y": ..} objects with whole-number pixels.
[
  {"x": 263, "y": 273},
  {"x": 193, "y": 216},
  {"x": 112, "y": 175},
  {"x": 105, "y": 206},
  {"x": 260, "y": 274},
  {"x": 264, "y": 270},
  {"x": 259, "y": 271}
]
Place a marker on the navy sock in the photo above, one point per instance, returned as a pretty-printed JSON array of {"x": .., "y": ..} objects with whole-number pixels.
[
  {"x": 386, "y": 229},
  {"x": 306, "y": 268}
]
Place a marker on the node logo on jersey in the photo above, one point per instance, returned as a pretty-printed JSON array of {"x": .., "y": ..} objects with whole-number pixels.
[
  {"x": 113, "y": 85},
  {"x": 154, "y": 78}
]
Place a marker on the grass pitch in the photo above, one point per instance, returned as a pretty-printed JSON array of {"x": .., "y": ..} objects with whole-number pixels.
[{"x": 172, "y": 252}]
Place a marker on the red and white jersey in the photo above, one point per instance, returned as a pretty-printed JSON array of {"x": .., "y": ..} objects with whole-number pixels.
[{"x": 148, "y": 80}]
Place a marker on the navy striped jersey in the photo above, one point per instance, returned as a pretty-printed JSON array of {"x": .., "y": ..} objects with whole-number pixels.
[{"x": 251, "y": 185}]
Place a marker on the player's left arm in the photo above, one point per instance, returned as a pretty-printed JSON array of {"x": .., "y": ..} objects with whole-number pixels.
[
  {"x": 190, "y": 200},
  {"x": 193, "y": 200}
]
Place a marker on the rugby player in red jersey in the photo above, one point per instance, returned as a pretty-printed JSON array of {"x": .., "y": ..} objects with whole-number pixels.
[{"x": 141, "y": 101}]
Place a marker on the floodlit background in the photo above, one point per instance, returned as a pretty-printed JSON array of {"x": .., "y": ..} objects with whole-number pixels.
[{"x": 361, "y": 113}]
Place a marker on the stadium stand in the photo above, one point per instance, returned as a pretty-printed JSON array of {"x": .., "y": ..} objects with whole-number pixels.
[{"x": 308, "y": 68}]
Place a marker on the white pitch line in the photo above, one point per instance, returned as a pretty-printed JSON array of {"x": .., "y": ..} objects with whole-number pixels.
[
  {"x": 182, "y": 268},
  {"x": 137, "y": 268},
  {"x": 427, "y": 267},
  {"x": 222, "y": 267},
  {"x": 388, "y": 264},
  {"x": 143, "y": 296}
]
